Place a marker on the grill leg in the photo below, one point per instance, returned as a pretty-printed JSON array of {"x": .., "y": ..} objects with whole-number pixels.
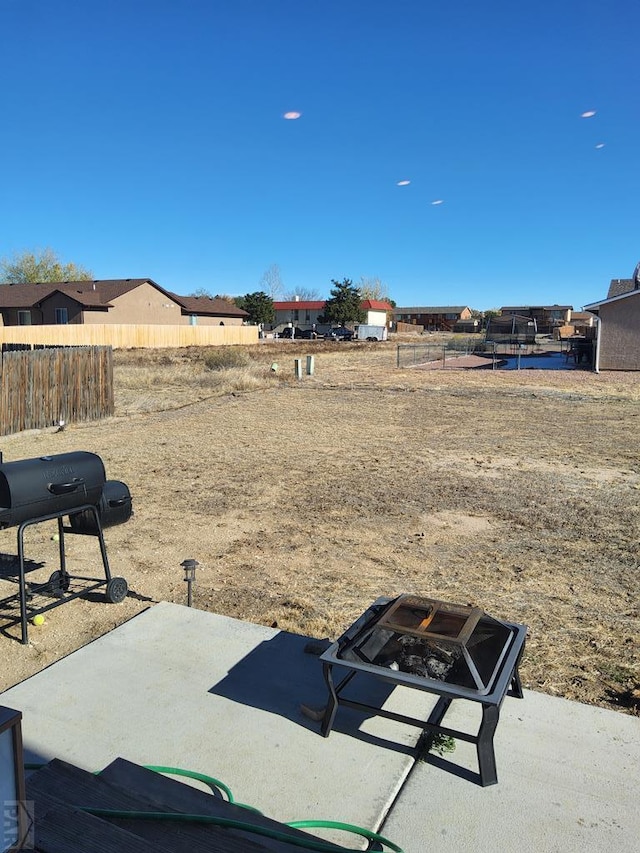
[
  {"x": 64, "y": 574},
  {"x": 103, "y": 547},
  {"x": 486, "y": 754},
  {"x": 23, "y": 591}
]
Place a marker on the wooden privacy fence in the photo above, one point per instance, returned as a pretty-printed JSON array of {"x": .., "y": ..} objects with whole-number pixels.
[
  {"x": 38, "y": 388},
  {"x": 129, "y": 337}
]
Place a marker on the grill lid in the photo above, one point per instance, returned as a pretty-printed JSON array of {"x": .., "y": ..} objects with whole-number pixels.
[{"x": 31, "y": 488}]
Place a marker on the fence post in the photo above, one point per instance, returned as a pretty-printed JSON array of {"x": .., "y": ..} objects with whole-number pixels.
[
  {"x": 310, "y": 365},
  {"x": 297, "y": 362}
]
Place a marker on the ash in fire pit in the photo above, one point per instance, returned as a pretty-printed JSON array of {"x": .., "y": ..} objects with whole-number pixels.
[{"x": 420, "y": 657}]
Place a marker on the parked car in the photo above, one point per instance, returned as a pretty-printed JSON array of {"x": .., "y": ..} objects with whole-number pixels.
[
  {"x": 288, "y": 332},
  {"x": 309, "y": 334},
  {"x": 340, "y": 333}
]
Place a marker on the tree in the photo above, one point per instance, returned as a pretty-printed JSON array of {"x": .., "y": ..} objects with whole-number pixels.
[
  {"x": 301, "y": 293},
  {"x": 258, "y": 305},
  {"x": 271, "y": 282},
  {"x": 344, "y": 304},
  {"x": 40, "y": 266},
  {"x": 374, "y": 288}
]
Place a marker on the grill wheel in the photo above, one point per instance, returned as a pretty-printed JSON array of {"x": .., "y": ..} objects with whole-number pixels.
[
  {"x": 117, "y": 589},
  {"x": 58, "y": 583}
]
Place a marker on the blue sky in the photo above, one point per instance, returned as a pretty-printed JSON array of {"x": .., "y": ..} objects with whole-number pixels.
[{"x": 146, "y": 138}]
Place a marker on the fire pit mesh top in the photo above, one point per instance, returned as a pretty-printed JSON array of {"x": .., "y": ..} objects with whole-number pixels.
[{"x": 457, "y": 644}]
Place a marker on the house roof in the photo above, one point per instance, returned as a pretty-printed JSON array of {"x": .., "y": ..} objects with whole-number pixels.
[
  {"x": 439, "y": 309},
  {"x": 208, "y": 305},
  {"x": 92, "y": 292},
  {"x": 306, "y": 304},
  {"x": 594, "y": 306},
  {"x": 619, "y": 286},
  {"x": 581, "y": 315},
  {"x": 376, "y": 305},
  {"x": 318, "y": 305},
  {"x": 100, "y": 293},
  {"x": 520, "y": 308}
]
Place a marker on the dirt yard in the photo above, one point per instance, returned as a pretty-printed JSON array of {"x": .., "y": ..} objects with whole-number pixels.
[{"x": 305, "y": 500}]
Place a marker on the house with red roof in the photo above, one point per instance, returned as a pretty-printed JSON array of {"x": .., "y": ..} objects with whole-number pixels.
[{"x": 305, "y": 313}]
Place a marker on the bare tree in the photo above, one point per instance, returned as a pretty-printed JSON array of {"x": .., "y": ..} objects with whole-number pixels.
[
  {"x": 40, "y": 266},
  {"x": 372, "y": 287},
  {"x": 271, "y": 281},
  {"x": 302, "y": 294}
]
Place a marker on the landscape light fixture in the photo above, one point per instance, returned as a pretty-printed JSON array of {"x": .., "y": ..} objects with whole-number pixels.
[
  {"x": 189, "y": 567},
  {"x": 14, "y": 826}
]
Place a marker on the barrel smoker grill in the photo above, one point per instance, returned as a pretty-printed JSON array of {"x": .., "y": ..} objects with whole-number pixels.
[{"x": 68, "y": 485}]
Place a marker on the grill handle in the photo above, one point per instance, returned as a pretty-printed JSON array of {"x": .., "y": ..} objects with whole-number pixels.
[
  {"x": 118, "y": 501},
  {"x": 65, "y": 488}
]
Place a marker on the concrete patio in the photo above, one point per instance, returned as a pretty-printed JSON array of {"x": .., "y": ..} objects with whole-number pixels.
[{"x": 182, "y": 687}]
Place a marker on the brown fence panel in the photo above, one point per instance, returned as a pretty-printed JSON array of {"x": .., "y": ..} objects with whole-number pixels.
[{"x": 38, "y": 388}]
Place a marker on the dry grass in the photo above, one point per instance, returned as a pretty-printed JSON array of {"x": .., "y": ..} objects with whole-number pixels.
[{"x": 305, "y": 500}]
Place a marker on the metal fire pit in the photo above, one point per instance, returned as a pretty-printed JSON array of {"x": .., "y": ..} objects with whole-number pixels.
[
  {"x": 50, "y": 488},
  {"x": 453, "y": 651}
]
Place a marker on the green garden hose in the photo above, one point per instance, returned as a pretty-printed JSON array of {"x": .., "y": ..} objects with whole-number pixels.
[
  {"x": 297, "y": 841},
  {"x": 216, "y": 784}
]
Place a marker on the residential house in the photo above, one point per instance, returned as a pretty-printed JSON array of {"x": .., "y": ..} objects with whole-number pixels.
[
  {"x": 619, "y": 325},
  {"x": 111, "y": 301},
  {"x": 305, "y": 313},
  {"x": 433, "y": 319},
  {"x": 298, "y": 312}
]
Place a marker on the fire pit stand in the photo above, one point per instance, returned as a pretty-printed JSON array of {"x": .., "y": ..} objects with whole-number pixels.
[{"x": 451, "y": 651}]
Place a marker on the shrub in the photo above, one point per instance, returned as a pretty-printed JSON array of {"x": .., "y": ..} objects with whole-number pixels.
[{"x": 225, "y": 358}]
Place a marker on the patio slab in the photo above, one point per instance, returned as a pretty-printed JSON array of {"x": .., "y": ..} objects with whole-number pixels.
[
  {"x": 182, "y": 687},
  {"x": 568, "y": 778}
]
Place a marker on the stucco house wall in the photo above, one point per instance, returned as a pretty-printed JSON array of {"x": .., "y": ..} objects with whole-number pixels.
[
  {"x": 10, "y": 316},
  {"x": 144, "y": 304},
  {"x": 47, "y": 312},
  {"x": 620, "y": 333},
  {"x": 376, "y": 318}
]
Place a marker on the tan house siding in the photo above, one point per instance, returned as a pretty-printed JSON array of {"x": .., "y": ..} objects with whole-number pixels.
[
  {"x": 620, "y": 334},
  {"x": 144, "y": 302},
  {"x": 61, "y": 300}
]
